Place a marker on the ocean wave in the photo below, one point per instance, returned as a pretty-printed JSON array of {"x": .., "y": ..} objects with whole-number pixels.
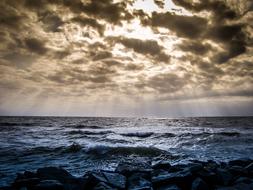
[
  {"x": 10, "y": 124},
  {"x": 206, "y": 134},
  {"x": 80, "y": 132},
  {"x": 138, "y": 134},
  {"x": 126, "y": 150},
  {"x": 82, "y": 126}
]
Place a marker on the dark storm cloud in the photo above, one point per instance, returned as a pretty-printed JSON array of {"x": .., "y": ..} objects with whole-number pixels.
[
  {"x": 51, "y": 21},
  {"x": 102, "y": 9},
  {"x": 97, "y": 73},
  {"x": 183, "y": 26},
  {"x": 195, "y": 47},
  {"x": 101, "y": 55},
  {"x": 19, "y": 60},
  {"x": 233, "y": 39},
  {"x": 164, "y": 83},
  {"x": 36, "y": 46},
  {"x": 145, "y": 47},
  {"x": 220, "y": 9},
  {"x": 160, "y": 3},
  {"x": 84, "y": 21}
]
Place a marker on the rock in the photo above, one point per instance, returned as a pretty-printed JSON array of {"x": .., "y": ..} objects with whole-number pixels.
[
  {"x": 211, "y": 165},
  {"x": 25, "y": 182},
  {"x": 103, "y": 186},
  {"x": 169, "y": 187},
  {"x": 199, "y": 184},
  {"x": 249, "y": 169},
  {"x": 178, "y": 167},
  {"x": 54, "y": 173},
  {"x": 127, "y": 168},
  {"x": 236, "y": 170},
  {"x": 115, "y": 180},
  {"x": 161, "y": 165},
  {"x": 242, "y": 162},
  {"x": 194, "y": 167},
  {"x": 224, "y": 177},
  {"x": 138, "y": 181},
  {"x": 208, "y": 176},
  {"x": 76, "y": 184},
  {"x": 49, "y": 185},
  {"x": 183, "y": 179},
  {"x": 241, "y": 186},
  {"x": 244, "y": 180}
]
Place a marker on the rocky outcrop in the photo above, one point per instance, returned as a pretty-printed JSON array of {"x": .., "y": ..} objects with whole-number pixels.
[{"x": 161, "y": 175}]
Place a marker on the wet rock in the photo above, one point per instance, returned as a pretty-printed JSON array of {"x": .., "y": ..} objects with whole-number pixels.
[
  {"x": 195, "y": 167},
  {"x": 18, "y": 183},
  {"x": 241, "y": 186},
  {"x": 169, "y": 187},
  {"x": 54, "y": 173},
  {"x": 127, "y": 168},
  {"x": 183, "y": 179},
  {"x": 249, "y": 169},
  {"x": 244, "y": 180},
  {"x": 76, "y": 184},
  {"x": 49, "y": 185},
  {"x": 161, "y": 165},
  {"x": 103, "y": 186},
  {"x": 199, "y": 184},
  {"x": 236, "y": 170},
  {"x": 177, "y": 168},
  {"x": 139, "y": 181},
  {"x": 224, "y": 177},
  {"x": 208, "y": 176},
  {"x": 211, "y": 165},
  {"x": 241, "y": 162},
  {"x": 115, "y": 180}
]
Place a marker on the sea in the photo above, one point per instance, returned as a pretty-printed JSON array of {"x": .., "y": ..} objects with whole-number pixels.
[{"x": 80, "y": 144}]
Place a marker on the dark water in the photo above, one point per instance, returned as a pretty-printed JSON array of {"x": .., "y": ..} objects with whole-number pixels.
[{"x": 81, "y": 144}]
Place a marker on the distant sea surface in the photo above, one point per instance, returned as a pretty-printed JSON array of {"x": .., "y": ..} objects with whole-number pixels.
[{"x": 82, "y": 144}]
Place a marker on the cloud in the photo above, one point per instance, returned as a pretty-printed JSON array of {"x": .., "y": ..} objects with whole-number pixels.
[
  {"x": 36, "y": 46},
  {"x": 195, "y": 47},
  {"x": 145, "y": 47},
  {"x": 219, "y": 9},
  {"x": 90, "y": 22},
  {"x": 51, "y": 21},
  {"x": 183, "y": 26}
]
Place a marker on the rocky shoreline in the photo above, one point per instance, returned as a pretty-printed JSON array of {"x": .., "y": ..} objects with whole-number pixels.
[{"x": 159, "y": 175}]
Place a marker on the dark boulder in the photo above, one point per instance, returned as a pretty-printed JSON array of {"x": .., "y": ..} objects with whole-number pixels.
[
  {"x": 224, "y": 176},
  {"x": 249, "y": 169},
  {"x": 103, "y": 186},
  {"x": 195, "y": 167},
  {"x": 240, "y": 186},
  {"x": 139, "y": 181},
  {"x": 169, "y": 187},
  {"x": 54, "y": 173},
  {"x": 244, "y": 180},
  {"x": 199, "y": 184},
  {"x": 115, "y": 180},
  {"x": 183, "y": 179},
  {"x": 161, "y": 165},
  {"x": 236, "y": 170},
  {"x": 208, "y": 176},
  {"x": 127, "y": 168},
  {"x": 49, "y": 185},
  {"x": 18, "y": 183},
  {"x": 241, "y": 162}
]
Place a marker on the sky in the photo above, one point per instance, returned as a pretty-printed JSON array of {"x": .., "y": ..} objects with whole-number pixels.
[{"x": 136, "y": 58}]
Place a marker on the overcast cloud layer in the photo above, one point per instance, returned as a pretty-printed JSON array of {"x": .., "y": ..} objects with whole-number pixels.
[{"x": 126, "y": 58}]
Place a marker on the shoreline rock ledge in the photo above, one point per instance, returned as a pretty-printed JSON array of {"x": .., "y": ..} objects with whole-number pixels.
[{"x": 161, "y": 175}]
